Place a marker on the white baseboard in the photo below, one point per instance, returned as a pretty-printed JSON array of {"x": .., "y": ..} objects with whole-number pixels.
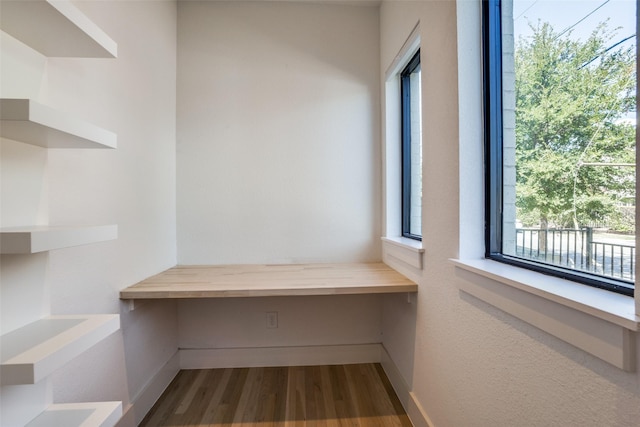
[
  {"x": 142, "y": 403},
  {"x": 279, "y": 356},
  {"x": 412, "y": 406},
  {"x": 417, "y": 414},
  {"x": 398, "y": 382}
]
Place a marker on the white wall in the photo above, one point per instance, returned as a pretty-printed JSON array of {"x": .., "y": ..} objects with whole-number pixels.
[
  {"x": 471, "y": 364},
  {"x": 132, "y": 186},
  {"x": 302, "y": 321},
  {"x": 278, "y": 133},
  {"x": 278, "y": 161}
]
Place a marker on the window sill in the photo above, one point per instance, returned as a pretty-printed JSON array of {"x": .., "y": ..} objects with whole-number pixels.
[
  {"x": 599, "y": 322},
  {"x": 404, "y": 255}
]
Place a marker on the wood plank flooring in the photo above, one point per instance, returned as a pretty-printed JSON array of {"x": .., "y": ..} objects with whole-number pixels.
[{"x": 357, "y": 395}]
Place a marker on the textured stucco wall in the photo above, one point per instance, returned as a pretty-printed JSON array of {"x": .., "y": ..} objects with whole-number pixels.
[{"x": 471, "y": 364}]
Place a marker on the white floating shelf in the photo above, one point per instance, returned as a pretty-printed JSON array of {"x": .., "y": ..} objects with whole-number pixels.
[
  {"x": 30, "y": 122},
  {"x": 56, "y": 28},
  {"x": 93, "y": 414},
  {"x": 31, "y": 353},
  {"x": 29, "y": 240}
]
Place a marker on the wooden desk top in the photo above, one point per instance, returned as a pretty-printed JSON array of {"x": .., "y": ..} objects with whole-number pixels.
[{"x": 220, "y": 281}]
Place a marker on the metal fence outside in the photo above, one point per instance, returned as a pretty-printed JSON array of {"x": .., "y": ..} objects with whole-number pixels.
[{"x": 576, "y": 249}]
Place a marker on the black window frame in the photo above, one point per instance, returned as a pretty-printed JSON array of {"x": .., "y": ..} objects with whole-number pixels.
[
  {"x": 405, "y": 96},
  {"x": 493, "y": 138}
]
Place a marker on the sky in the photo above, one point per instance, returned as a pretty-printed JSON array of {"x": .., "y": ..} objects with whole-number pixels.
[
  {"x": 562, "y": 14},
  {"x": 581, "y": 16}
]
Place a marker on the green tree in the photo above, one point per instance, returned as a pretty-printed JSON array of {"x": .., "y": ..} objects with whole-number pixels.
[{"x": 571, "y": 97}]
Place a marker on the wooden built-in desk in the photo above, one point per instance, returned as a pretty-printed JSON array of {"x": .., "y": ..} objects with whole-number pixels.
[{"x": 220, "y": 281}]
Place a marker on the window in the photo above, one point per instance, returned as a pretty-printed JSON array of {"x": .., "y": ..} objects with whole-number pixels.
[
  {"x": 560, "y": 109},
  {"x": 411, "y": 124},
  {"x": 399, "y": 250}
]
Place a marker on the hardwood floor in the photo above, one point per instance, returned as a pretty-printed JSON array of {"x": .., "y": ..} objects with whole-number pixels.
[{"x": 333, "y": 396}]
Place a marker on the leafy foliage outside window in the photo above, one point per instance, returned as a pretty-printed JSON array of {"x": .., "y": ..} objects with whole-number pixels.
[
  {"x": 574, "y": 150},
  {"x": 560, "y": 145}
]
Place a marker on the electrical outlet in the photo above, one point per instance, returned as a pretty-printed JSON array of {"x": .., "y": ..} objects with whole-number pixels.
[{"x": 272, "y": 319}]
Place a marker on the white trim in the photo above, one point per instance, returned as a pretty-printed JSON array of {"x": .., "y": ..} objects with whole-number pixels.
[
  {"x": 606, "y": 305},
  {"x": 398, "y": 382},
  {"x": 412, "y": 406},
  {"x": 417, "y": 414},
  {"x": 279, "y": 356},
  {"x": 397, "y": 250},
  {"x": 390, "y": 258},
  {"x": 401, "y": 267},
  {"x": 144, "y": 400},
  {"x": 391, "y": 147},
  {"x": 405, "y": 243},
  {"x": 406, "y": 52},
  {"x": 406, "y": 250},
  {"x": 599, "y": 322}
]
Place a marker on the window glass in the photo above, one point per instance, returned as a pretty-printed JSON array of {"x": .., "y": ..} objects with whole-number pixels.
[
  {"x": 566, "y": 143},
  {"x": 412, "y": 149}
]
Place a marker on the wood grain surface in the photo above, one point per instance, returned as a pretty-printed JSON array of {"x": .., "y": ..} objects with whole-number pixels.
[
  {"x": 332, "y": 396},
  {"x": 270, "y": 280}
]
